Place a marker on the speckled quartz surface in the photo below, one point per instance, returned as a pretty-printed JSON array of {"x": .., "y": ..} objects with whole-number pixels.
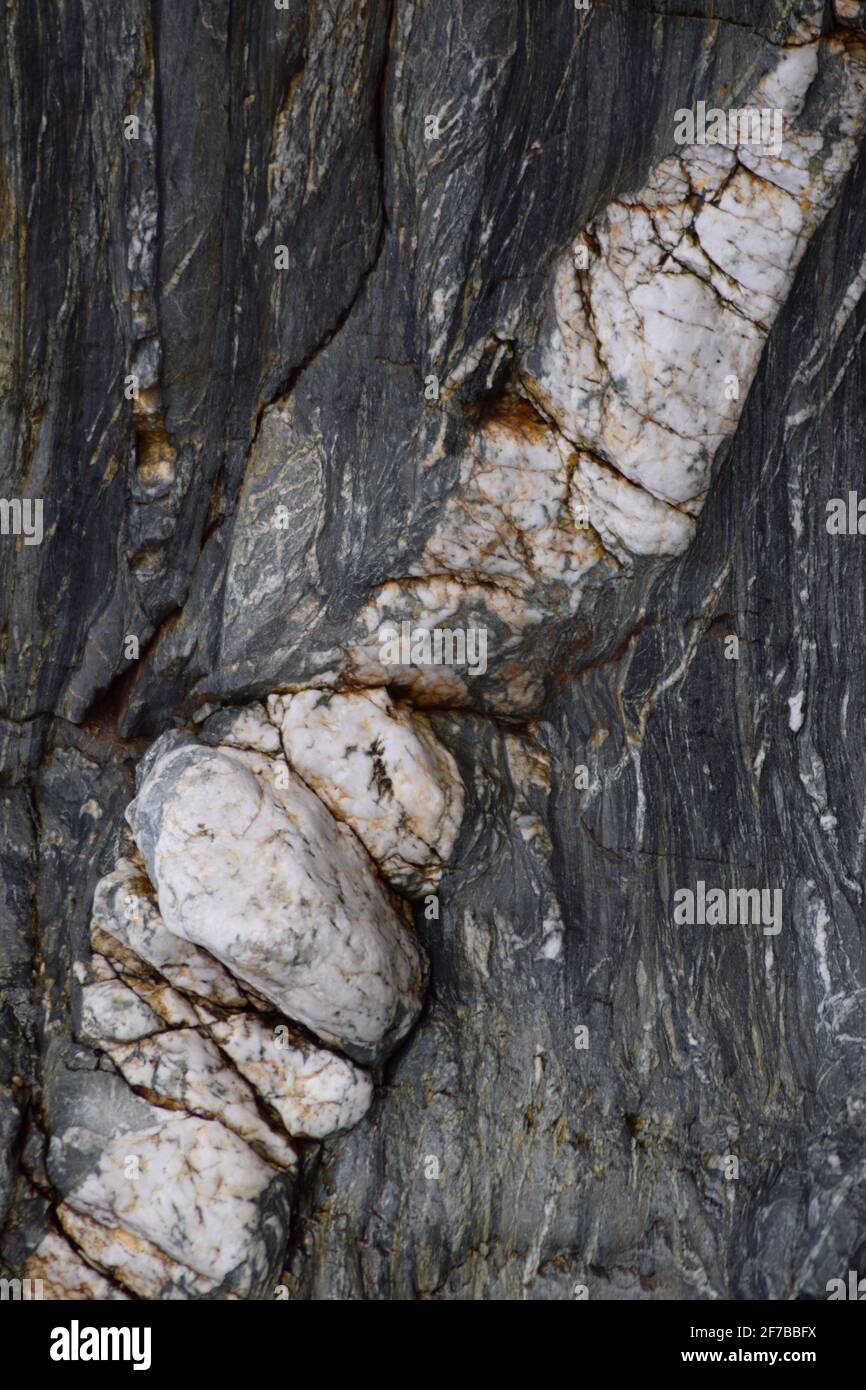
[
  {"x": 191, "y": 1193},
  {"x": 264, "y": 878},
  {"x": 380, "y": 770}
]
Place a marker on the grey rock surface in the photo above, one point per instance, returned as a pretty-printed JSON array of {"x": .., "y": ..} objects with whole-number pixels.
[{"x": 585, "y": 1071}]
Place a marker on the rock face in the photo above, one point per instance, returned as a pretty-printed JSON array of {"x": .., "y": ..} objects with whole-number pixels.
[{"x": 434, "y": 652}]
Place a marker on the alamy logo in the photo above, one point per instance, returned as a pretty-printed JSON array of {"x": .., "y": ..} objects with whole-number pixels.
[
  {"x": 736, "y": 907},
  {"x": 846, "y": 517},
  {"x": 76, "y": 1343},
  {"x": 439, "y": 646},
  {"x": 747, "y": 125},
  {"x": 855, "y": 1292},
  {"x": 20, "y": 1289},
  {"x": 21, "y": 518}
]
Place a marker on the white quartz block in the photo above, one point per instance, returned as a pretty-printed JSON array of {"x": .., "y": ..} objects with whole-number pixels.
[
  {"x": 197, "y": 1193},
  {"x": 380, "y": 769},
  {"x": 183, "y": 1067},
  {"x": 111, "y": 1010},
  {"x": 134, "y": 1262},
  {"x": 124, "y": 905},
  {"x": 314, "y": 1092},
  {"x": 65, "y": 1276},
  {"x": 661, "y": 310},
  {"x": 265, "y": 879}
]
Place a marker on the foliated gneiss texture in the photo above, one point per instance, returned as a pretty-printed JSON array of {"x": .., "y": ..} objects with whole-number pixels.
[{"x": 657, "y": 319}]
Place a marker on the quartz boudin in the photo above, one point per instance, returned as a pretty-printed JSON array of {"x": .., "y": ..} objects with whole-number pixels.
[{"x": 257, "y": 908}]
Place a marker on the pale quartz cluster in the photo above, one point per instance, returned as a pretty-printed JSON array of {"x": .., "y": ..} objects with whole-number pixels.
[
  {"x": 440, "y": 602},
  {"x": 654, "y": 344},
  {"x": 658, "y": 316},
  {"x": 189, "y": 1216},
  {"x": 263, "y": 877},
  {"x": 62, "y": 1274},
  {"x": 256, "y": 899},
  {"x": 511, "y": 521},
  {"x": 316, "y": 1093},
  {"x": 380, "y": 769}
]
